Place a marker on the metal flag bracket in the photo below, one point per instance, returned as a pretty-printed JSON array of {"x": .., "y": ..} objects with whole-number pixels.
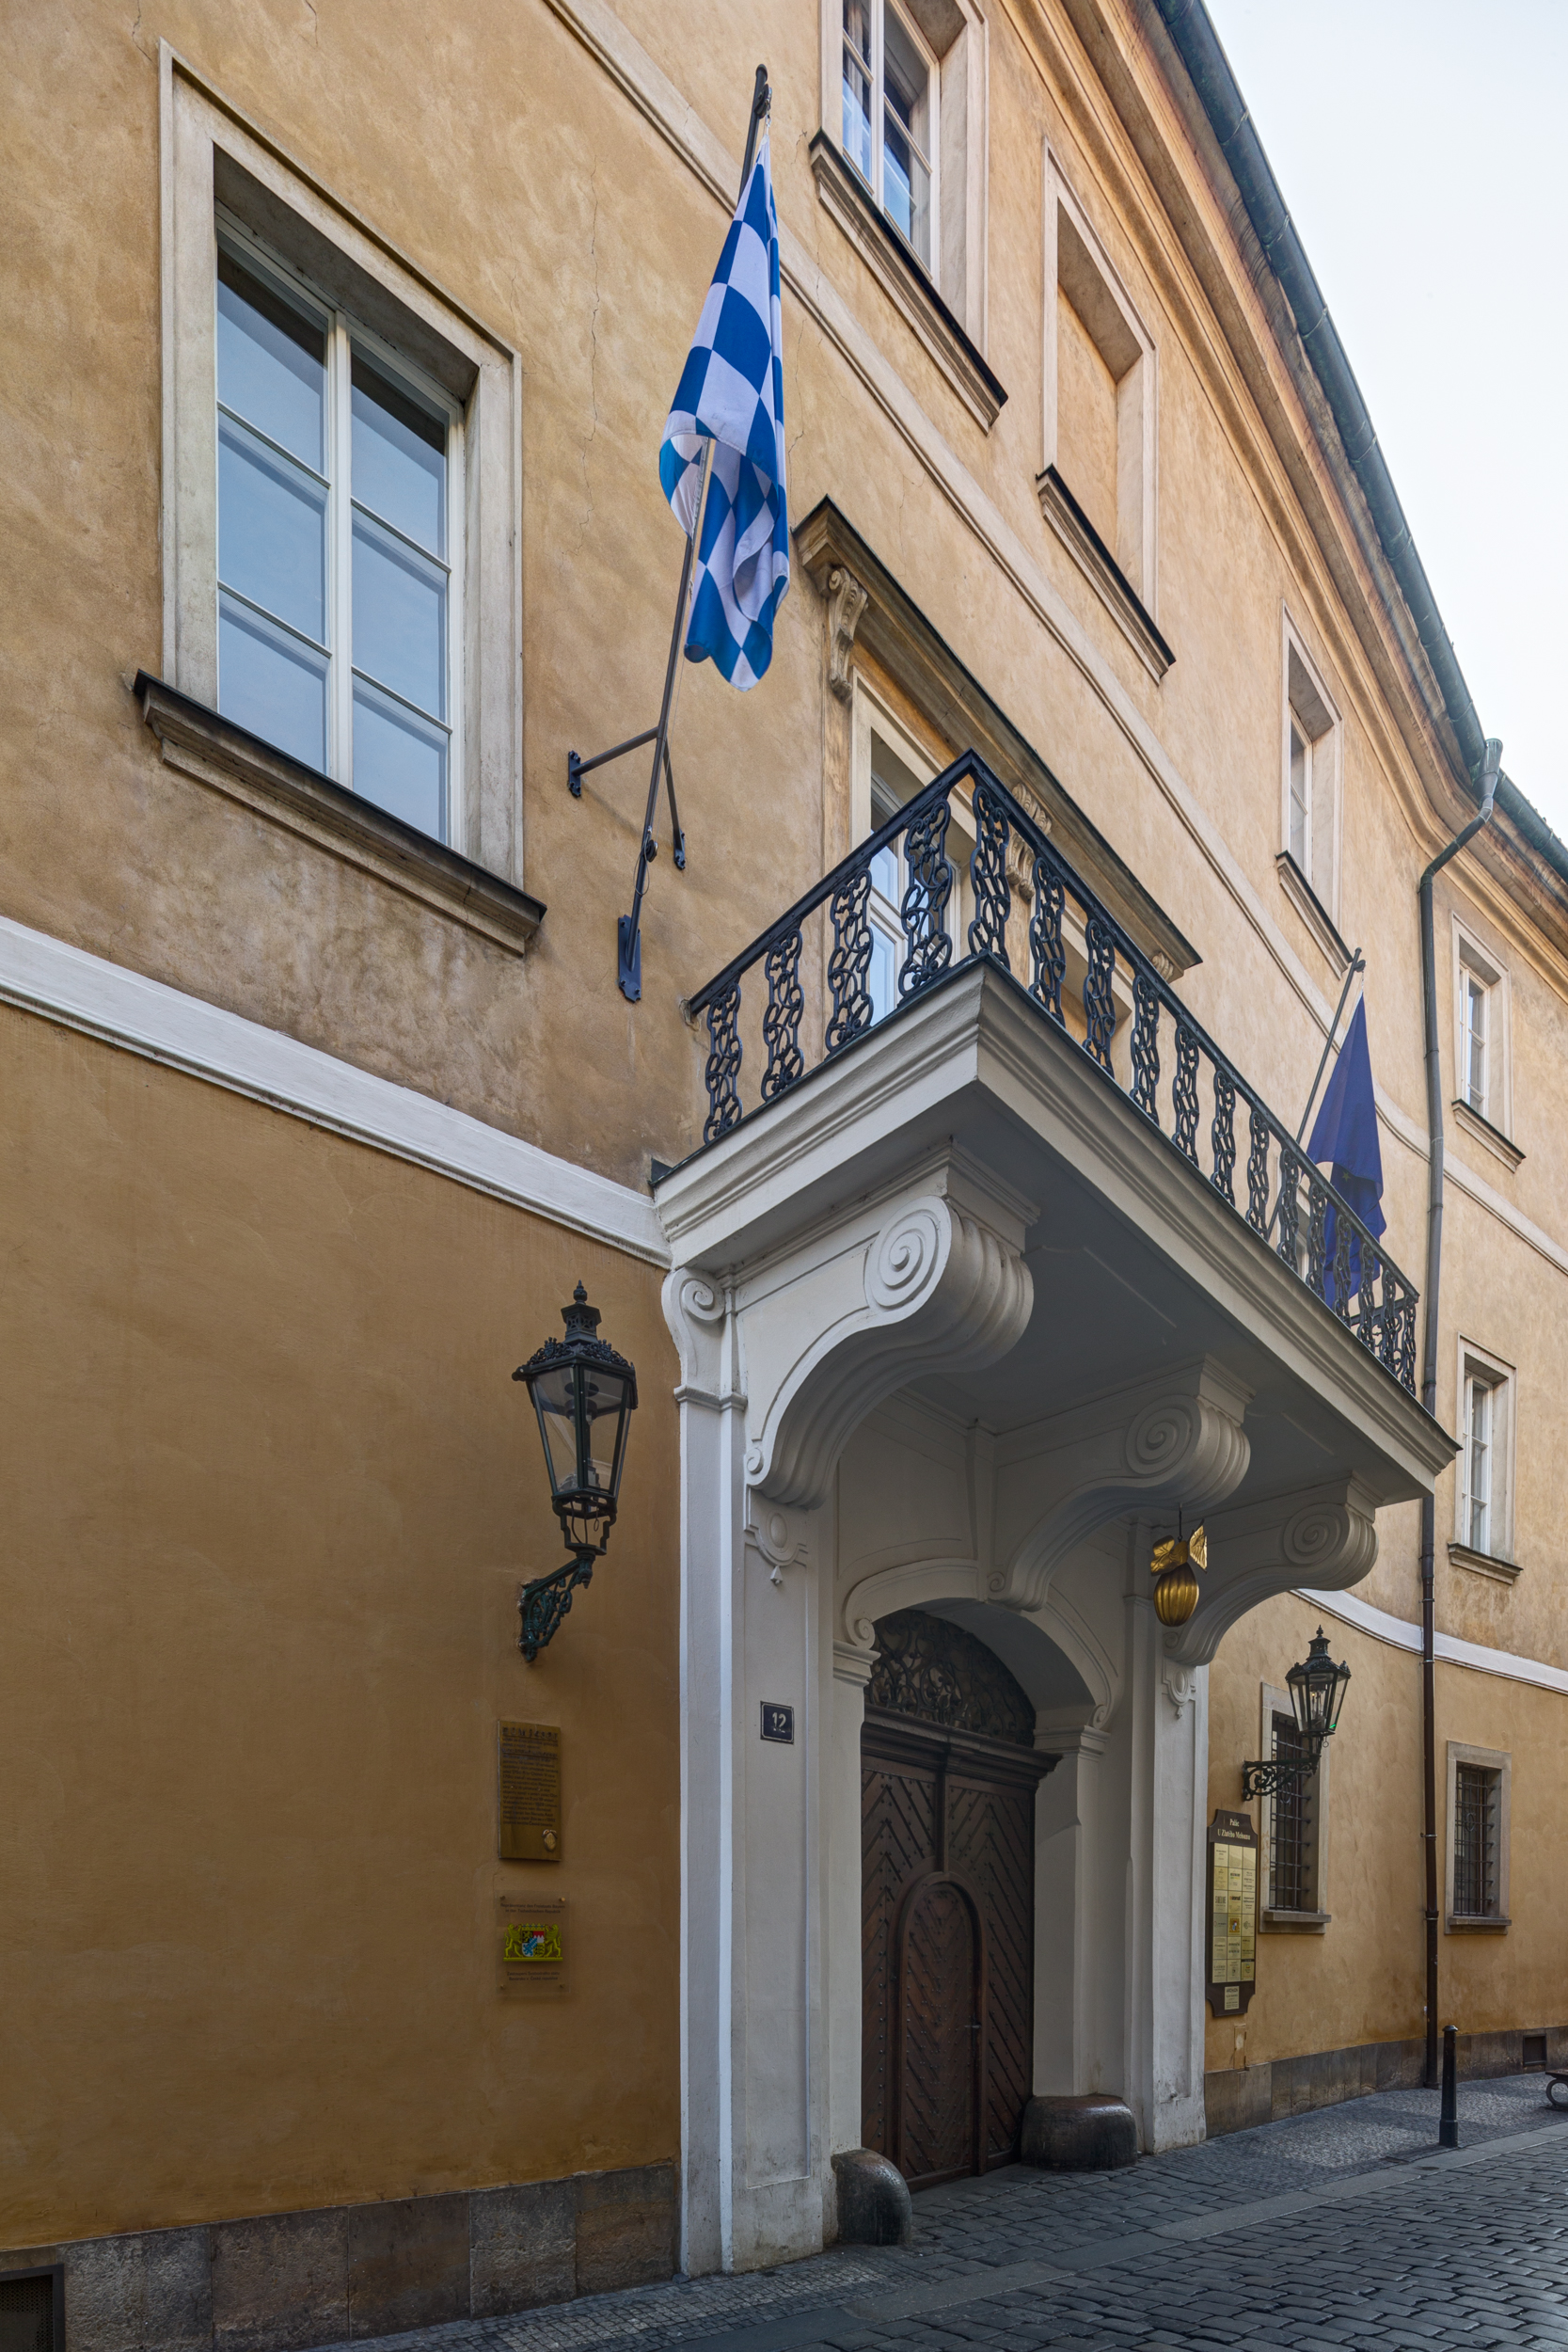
[{"x": 629, "y": 926}]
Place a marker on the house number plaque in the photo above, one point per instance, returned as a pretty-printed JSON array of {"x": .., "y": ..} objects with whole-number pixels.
[
  {"x": 528, "y": 1792},
  {"x": 1232, "y": 1935}
]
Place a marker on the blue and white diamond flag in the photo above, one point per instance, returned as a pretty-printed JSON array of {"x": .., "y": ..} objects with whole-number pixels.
[{"x": 730, "y": 392}]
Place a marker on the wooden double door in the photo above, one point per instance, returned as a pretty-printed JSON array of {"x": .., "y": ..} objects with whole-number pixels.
[{"x": 948, "y": 1821}]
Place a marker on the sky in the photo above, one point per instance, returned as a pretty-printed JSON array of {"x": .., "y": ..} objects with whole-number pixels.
[{"x": 1422, "y": 150}]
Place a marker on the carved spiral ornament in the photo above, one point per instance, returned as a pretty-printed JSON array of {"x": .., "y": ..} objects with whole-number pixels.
[
  {"x": 908, "y": 1257},
  {"x": 1330, "y": 1538}
]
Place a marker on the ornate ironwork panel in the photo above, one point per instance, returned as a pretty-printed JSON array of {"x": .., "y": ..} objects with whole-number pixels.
[
  {"x": 1047, "y": 953},
  {"x": 940, "y": 1673},
  {"x": 781, "y": 1022},
  {"x": 1222, "y": 1135},
  {"x": 1317, "y": 1230},
  {"x": 1099, "y": 1007},
  {"x": 1257, "y": 1170},
  {"x": 1289, "y": 1246},
  {"x": 924, "y": 910},
  {"x": 1367, "y": 1314},
  {"x": 987, "y": 869},
  {"x": 1184, "y": 1092},
  {"x": 1145, "y": 1045},
  {"x": 1341, "y": 1288},
  {"x": 723, "y": 1072},
  {"x": 850, "y": 961}
]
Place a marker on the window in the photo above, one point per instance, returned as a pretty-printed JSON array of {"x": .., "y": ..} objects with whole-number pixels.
[
  {"x": 1479, "y": 1790},
  {"x": 336, "y": 510},
  {"x": 891, "y": 98},
  {"x": 1295, "y": 1845},
  {"x": 1100, "y": 439},
  {"x": 890, "y": 769},
  {"x": 1291, "y": 1841},
  {"x": 342, "y": 469},
  {"x": 1482, "y": 1093},
  {"x": 1309, "y": 849},
  {"x": 1484, "y": 1479}
]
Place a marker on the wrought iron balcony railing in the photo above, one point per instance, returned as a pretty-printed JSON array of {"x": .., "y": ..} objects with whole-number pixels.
[{"x": 903, "y": 911}]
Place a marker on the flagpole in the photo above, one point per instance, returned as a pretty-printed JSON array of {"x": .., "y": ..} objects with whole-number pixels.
[
  {"x": 1358, "y": 964},
  {"x": 629, "y": 927}
]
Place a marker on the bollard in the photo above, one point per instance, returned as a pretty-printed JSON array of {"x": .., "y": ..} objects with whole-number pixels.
[{"x": 1448, "y": 2123}]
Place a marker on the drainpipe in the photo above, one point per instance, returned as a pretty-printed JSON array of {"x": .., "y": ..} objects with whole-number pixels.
[{"x": 1491, "y": 763}]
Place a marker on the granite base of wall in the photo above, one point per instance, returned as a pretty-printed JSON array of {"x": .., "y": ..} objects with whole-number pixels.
[
  {"x": 291, "y": 2279},
  {"x": 1238, "y": 2098}
]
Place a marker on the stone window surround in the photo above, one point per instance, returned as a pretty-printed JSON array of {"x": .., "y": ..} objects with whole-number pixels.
[
  {"x": 1495, "y": 1126},
  {"x": 864, "y": 602},
  {"x": 1318, "y": 909},
  {"x": 1502, "y": 1378},
  {"x": 1273, "y": 1702},
  {"x": 211, "y": 154},
  {"x": 1075, "y": 262},
  {"x": 947, "y": 306},
  {"x": 1501, "y": 1762}
]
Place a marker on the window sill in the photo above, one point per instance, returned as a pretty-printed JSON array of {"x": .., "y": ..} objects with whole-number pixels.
[
  {"x": 1463, "y": 1922},
  {"x": 1103, "y": 572},
  {"x": 1492, "y": 1138},
  {"x": 1298, "y": 1922},
  {"x": 1313, "y": 911},
  {"x": 1484, "y": 1564},
  {"x": 203, "y": 744},
  {"x": 901, "y": 276}
]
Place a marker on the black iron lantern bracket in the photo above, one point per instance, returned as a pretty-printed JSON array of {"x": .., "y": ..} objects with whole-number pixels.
[
  {"x": 1281, "y": 1771},
  {"x": 584, "y": 1394}
]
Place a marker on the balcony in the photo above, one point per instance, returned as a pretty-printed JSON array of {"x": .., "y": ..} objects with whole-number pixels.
[{"x": 935, "y": 894}]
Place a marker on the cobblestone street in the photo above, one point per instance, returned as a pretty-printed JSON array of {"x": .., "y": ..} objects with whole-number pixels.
[{"x": 1346, "y": 2228}]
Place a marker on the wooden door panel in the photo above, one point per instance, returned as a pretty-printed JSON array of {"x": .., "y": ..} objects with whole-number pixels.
[
  {"x": 991, "y": 1834},
  {"x": 941, "y": 2014},
  {"x": 897, "y": 1843}
]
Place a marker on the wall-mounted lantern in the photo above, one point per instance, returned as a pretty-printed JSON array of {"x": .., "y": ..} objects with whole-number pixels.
[
  {"x": 584, "y": 1395},
  {"x": 1317, "y": 1688}
]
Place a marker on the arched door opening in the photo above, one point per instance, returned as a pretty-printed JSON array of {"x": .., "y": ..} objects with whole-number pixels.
[{"x": 948, "y": 1775}]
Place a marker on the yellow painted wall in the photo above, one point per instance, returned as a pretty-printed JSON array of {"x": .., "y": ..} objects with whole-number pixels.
[{"x": 270, "y": 1490}]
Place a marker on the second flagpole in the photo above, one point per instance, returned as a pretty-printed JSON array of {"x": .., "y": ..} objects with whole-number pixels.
[{"x": 629, "y": 927}]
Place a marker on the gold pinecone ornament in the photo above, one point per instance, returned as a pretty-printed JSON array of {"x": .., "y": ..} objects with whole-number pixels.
[{"x": 1175, "y": 1566}]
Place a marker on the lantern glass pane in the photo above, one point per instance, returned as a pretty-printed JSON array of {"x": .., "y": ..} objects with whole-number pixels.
[{"x": 555, "y": 1402}]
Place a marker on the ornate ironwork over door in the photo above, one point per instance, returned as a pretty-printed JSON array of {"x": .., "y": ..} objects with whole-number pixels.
[{"x": 948, "y": 1775}]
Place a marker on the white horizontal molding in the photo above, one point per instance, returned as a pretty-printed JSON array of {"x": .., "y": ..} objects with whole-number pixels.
[
  {"x": 1447, "y": 1647},
  {"x": 47, "y": 977}
]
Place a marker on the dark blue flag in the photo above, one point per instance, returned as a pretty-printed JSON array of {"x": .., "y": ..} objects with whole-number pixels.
[{"x": 1344, "y": 1134}]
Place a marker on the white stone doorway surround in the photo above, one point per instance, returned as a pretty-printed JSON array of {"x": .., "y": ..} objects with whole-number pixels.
[{"x": 959, "y": 1330}]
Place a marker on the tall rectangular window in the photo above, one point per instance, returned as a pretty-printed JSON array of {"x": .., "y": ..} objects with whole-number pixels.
[
  {"x": 1476, "y": 994},
  {"x": 1291, "y": 1841},
  {"x": 1301, "y": 796},
  {"x": 1475, "y": 1807},
  {"x": 1478, "y": 1396},
  {"x": 891, "y": 86},
  {"x": 336, "y": 563}
]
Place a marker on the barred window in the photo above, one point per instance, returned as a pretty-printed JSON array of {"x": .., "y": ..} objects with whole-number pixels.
[
  {"x": 1291, "y": 1841},
  {"x": 1477, "y": 1797}
]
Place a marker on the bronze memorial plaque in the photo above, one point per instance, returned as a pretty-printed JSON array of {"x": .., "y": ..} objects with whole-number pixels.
[
  {"x": 528, "y": 1792},
  {"x": 531, "y": 1947},
  {"x": 1231, "y": 1934}
]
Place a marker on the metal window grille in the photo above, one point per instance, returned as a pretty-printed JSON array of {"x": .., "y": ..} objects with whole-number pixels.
[
  {"x": 31, "y": 2310},
  {"x": 1291, "y": 1840},
  {"x": 1474, "y": 1841}
]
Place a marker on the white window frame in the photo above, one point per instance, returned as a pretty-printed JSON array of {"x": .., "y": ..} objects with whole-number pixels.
[
  {"x": 1499, "y": 1761},
  {"x": 1076, "y": 264},
  {"x": 211, "y": 157},
  {"x": 1473, "y": 960},
  {"x": 1307, "y": 707},
  {"x": 931, "y": 261},
  {"x": 954, "y": 32},
  {"x": 1273, "y": 1702},
  {"x": 1480, "y": 1368},
  {"x": 345, "y": 335}
]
